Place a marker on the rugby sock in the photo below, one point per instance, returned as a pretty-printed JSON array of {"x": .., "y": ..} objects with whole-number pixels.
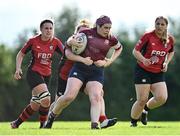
[
  {"x": 94, "y": 125},
  {"x": 134, "y": 120},
  {"x": 102, "y": 118},
  {"x": 27, "y": 112},
  {"x": 146, "y": 108},
  {"x": 43, "y": 114}
]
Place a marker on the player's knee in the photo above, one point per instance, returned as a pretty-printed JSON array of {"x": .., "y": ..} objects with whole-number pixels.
[
  {"x": 45, "y": 98},
  {"x": 35, "y": 101},
  {"x": 69, "y": 98},
  {"x": 142, "y": 102},
  {"x": 161, "y": 99},
  {"x": 46, "y": 102},
  {"x": 95, "y": 98}
]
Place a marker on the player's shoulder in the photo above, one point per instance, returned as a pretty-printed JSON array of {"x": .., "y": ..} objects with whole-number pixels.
[
  {"x": 149, "y": 33},
  {"x": 87, "y": 31},
  {"x": 34, "y": 37},
  {"x": 57, "y": 40},
  {"x": 171, "y": 38}
]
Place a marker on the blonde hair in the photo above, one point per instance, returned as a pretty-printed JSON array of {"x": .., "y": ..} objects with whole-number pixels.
[
  {"x": 164, "y": 37},
  {"x": 82, "y": 23}
]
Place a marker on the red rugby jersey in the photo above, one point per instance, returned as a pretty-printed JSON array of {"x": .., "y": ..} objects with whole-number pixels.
[
  {"x": 152, "y": 47},
  {"x": 42, "y": 52},
  {"x": 65, "y": 68}
]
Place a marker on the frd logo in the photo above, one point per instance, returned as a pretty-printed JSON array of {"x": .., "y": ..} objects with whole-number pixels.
[
  {"x": 44, "y": 55},
  {"x": 158, "y": 53}
]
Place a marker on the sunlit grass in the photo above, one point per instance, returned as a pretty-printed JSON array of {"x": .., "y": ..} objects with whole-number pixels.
[{"x": 83, "y": 129}]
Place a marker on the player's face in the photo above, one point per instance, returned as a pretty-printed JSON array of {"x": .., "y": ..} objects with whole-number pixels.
[
  {"x": 47, "y": 30},
  {"x": 160, "y": 26},
  {"x": 104, "y": 30}
]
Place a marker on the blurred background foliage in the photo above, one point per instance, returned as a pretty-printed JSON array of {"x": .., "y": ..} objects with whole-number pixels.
[{"x": 119, "y": 88}]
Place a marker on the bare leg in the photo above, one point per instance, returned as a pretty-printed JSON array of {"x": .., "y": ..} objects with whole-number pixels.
[
  {"x": 94, "y": 90},
  {"x": 142, "y": 92},
  {"x": 160, "y": 95}
]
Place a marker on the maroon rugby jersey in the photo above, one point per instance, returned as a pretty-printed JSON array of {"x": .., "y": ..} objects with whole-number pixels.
[
  {"x": 42, "y": 52},
  {"x": 153, "y": 48},
  {"x": 97, "y": 46}
]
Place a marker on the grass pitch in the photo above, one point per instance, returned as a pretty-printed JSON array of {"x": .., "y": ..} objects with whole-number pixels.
[{"x": 83, "y": 129}]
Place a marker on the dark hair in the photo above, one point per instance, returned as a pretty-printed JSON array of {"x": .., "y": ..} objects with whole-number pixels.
[
  {"x": 46, "y": 21},
  {"x": 103, "y": 20}
]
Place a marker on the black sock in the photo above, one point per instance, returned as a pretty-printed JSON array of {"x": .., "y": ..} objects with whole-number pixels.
[
  {"x": 146, "y": 108},
  {"x": 52, "y": 116},
  {"x": 134, "y": 120},
  {"x": 94, "y": 125}
]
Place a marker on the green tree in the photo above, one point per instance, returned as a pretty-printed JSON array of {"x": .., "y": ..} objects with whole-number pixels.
[{"x": 6, "y": 65}]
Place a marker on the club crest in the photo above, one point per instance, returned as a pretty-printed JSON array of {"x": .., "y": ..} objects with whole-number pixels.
[{"x": 51, "y": 47}]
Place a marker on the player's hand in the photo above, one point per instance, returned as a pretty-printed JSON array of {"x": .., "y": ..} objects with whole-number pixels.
[
  {"x": 147, "y": 62},
  {"x": 108, "y": 62},
  {"x": 88, "y": 61},
  {"x": 100, "y": 63},
  {"x": 73, "y": 42},
  {"x": 164, "y": 67},
  {"x": 18, "y": 74}
]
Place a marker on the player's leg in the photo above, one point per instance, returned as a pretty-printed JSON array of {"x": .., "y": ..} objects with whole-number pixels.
[
  {"x": 104, "y": 121},
  {"x": 160, "y": 95},
  {"x": 72, "y": 89},
  {"x": 94, "y": 90},
  {"x": 159, "y": 91},
  {"x": 44, "y": 98},
  {"x": 60, "y": 90},
  {"x": 142, "y": 93},
  {"x": 35, "y": 82}
]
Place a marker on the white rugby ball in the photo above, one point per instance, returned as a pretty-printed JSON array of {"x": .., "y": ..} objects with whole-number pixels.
[{"x": 81, "y": 39}]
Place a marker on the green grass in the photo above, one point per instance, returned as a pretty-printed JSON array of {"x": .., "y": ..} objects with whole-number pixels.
[{"x": 83, "y": 129}]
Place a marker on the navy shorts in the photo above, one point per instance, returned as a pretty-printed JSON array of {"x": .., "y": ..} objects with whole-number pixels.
[
  {"x": 62, "y": 86},
  {"x": 34, "y": 78},
  {"x": 145, "y": 77},
  {"x": 87, "y": 73}
]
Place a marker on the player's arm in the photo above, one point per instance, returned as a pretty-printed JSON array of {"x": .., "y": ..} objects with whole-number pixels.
[
  {"x": 116, "y": 52},
  {"x": 72, "y": 41},
  {"x": 167, "y": 60},
  {"x": 78, "y": 58},
  {"x": 138, "y": 55},
  {"x": 169, "y": 57},
  {"x": 19, "y": 59}
]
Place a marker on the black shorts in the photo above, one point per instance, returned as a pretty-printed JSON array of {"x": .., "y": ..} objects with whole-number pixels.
[
  {"x": 145, "y": 77},
  {"x": 61, "y": 86},
  {"x": 34, "y": 78},
  {"x": 87, "y": 73}
]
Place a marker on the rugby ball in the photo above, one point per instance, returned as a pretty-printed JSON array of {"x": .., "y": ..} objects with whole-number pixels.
[{"x": 81, "y": 40}]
